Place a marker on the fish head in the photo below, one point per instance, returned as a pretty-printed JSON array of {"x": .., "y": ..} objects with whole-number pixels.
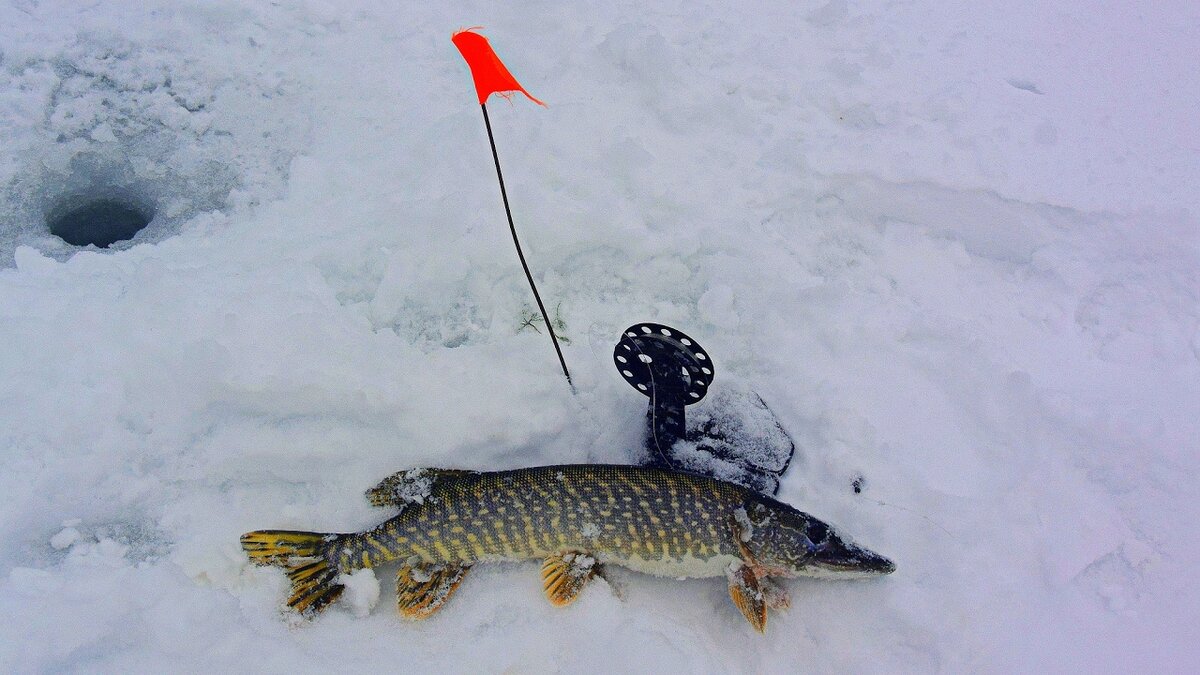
[{"x": 785, "y": 542}]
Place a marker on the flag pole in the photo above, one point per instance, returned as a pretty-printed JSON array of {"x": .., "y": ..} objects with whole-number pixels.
[
  {"x": 490, "y": 77},
  {"x": 521, "y": 254}
]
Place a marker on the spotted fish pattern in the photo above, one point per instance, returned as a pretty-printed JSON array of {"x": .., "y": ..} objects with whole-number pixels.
[{"x": 576, "y": 518}]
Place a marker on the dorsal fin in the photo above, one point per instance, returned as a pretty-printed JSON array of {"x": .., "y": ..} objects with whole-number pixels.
[{"x": 410, "y": 486}]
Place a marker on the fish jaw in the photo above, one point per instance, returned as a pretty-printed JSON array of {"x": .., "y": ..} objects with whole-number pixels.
[{"x": 843, "y": 560}]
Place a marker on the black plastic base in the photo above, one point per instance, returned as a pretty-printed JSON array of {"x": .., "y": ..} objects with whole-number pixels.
[{"x": 734, "y": 436}]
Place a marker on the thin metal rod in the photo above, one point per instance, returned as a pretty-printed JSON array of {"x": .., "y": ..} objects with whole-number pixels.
[{"x": 520, "y": 253}]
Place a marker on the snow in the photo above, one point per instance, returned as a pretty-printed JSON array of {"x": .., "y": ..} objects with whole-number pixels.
[
  {"x": 65, "y": 537},
  {"x": 955, "y": 249},
  {"x": 362, "y": 591}
]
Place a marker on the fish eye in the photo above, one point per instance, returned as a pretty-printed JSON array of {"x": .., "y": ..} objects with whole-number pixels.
[{"x": 817, "y": 532}]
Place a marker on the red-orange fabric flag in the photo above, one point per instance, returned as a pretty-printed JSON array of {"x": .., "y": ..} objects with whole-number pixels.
[{"x": 489, "y": 73}]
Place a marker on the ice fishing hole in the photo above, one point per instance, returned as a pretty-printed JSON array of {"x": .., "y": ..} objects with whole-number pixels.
[{"x": 101, "y": 222}]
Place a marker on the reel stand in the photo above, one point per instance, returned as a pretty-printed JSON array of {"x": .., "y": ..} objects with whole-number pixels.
[{"x": 739, "y": 440}]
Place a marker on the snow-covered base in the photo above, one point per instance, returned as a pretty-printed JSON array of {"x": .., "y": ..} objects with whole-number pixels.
[{"x": 955, "y": 251}]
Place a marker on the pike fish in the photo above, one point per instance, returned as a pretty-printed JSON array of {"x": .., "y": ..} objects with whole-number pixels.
[{"x": 575, "y": 519}]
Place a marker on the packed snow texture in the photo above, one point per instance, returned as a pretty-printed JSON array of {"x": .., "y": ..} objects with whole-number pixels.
[{"x": 955, "y": 249}]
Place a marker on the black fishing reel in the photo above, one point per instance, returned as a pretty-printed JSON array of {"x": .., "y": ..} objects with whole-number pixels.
[{"x": 737, "y": 438}]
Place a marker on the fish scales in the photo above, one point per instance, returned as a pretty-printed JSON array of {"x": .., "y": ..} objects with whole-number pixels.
[
  {"x": 642, "y": 519},
  {"x": 572, "y": 517}
]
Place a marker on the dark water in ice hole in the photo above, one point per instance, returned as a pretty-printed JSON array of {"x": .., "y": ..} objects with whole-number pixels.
[{"x": 102, "y": 222}]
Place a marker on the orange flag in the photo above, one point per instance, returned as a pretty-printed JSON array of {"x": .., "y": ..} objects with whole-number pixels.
[{"x": 491, "y": 77}]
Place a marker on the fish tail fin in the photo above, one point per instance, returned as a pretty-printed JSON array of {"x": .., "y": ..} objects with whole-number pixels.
[{"x": 305, "y": 557}]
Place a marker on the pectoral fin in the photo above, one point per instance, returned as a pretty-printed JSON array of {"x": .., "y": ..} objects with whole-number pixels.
[
  {"x": 748, "y": 595},
  {"x": 774, "y": 594},
  {"x": 565, "y": 574},
  {"x": 422, "y": 590}
]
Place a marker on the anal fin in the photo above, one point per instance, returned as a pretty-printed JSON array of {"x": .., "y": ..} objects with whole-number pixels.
[
  {"x": 565, "y": 574},
  {"x": 748, "y": 595},
  {"x": 423, "y": 589}
]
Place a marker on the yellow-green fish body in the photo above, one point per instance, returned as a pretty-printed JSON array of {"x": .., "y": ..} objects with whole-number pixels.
[{"x": 575, "y": 518}]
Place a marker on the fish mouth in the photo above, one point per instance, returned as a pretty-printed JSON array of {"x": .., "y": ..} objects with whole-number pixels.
[{"x": 851, "y": 560}]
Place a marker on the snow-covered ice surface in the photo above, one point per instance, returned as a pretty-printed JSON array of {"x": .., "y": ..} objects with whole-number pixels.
[{"x": 955, "y": 249}]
